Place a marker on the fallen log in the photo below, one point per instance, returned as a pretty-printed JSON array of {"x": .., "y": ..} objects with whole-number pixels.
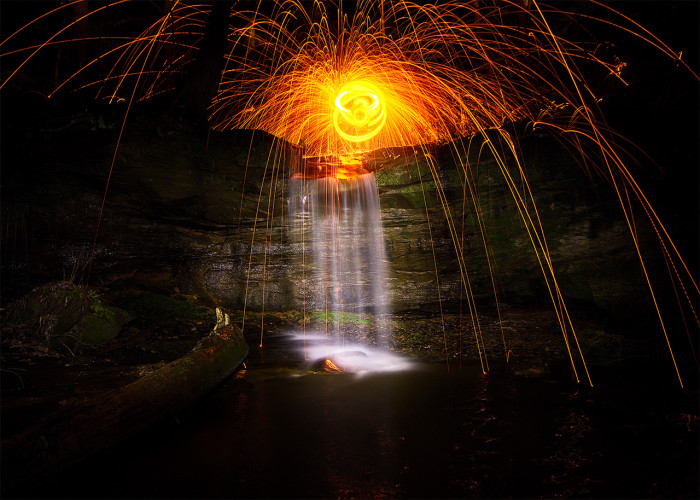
[{"x": 80, "y": 429}]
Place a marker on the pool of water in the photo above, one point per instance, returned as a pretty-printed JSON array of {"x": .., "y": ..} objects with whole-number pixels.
[{"x": 284, "y": 428}]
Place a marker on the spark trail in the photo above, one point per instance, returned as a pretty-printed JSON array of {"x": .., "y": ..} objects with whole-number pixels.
[{"x": 343, "y": 79}]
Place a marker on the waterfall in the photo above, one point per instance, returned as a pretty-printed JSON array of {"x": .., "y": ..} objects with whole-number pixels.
[{"x": 339, "y": 221}]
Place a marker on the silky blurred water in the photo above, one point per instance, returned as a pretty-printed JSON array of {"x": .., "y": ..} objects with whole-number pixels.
[{"x": 339, "y": 221}]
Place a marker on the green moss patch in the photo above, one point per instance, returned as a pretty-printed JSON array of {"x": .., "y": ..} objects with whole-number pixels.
[{"x": 342, "y": 318}]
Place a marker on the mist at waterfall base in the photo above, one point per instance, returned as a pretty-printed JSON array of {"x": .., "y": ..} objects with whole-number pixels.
[{"x": 339, "y": 220}]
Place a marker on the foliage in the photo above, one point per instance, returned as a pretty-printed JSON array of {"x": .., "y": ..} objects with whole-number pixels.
[{"x": 99, "y": 307}]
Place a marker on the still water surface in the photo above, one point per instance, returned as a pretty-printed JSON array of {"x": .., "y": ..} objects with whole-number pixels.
[{"x": 282, "y": 431}]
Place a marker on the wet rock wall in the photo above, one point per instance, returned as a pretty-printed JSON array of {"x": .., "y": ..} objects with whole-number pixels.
[{"x": 206, "y": 215}]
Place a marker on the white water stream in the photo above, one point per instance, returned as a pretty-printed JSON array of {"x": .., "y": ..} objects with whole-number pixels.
[{"x": 345, "y": 259}]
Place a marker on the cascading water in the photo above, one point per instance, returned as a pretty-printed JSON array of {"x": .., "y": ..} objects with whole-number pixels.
[{"x": 339, "y": 222}]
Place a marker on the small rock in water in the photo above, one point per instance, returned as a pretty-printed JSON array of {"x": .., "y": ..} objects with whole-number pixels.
[{"x": 330, "y": 366}]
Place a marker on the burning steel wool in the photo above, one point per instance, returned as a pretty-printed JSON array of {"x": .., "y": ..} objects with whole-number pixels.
[{"x": 340, "y": 80}]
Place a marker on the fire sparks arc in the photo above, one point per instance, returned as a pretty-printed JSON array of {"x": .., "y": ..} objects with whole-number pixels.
[
  {"x": 396, "y": 75},
  {"x": 360, "y": 112}
]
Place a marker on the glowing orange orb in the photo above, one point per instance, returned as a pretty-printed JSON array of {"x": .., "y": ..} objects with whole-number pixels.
[{"x": 359, "y": 112}]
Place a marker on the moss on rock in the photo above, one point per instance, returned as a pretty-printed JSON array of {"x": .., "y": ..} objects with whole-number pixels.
[{"x": 62, "y": 316}]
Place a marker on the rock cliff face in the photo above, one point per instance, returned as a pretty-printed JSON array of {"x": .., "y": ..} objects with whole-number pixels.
[
  {"x": 208, "y": 217},
  {"x": 592, "y": 251}
]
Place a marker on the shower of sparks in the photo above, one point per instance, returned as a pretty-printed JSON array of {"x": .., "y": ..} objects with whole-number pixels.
[
  {"x": 391, "y": 74},
  {"x": 341, "y": 80}
]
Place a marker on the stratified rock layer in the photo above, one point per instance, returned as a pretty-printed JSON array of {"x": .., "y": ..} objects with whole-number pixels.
[{"x": 207, "y": 217}]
